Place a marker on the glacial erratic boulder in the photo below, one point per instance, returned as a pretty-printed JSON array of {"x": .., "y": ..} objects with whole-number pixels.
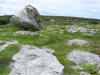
[
  {"x": 35, "y": 61},
  {"x": 28, "y": 18}
]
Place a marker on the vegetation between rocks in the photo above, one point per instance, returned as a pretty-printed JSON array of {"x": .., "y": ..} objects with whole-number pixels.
[{"x": 53, "y": 38}]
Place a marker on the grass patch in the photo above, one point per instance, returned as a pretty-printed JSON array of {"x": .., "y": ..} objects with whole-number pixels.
[{"x": 5, "y": 58}]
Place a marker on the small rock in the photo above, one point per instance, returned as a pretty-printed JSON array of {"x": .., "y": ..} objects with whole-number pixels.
[
  {"x": 76, "y": 67},
  {"x": 2, "y": 47},
  {"x": 78, "y": 42},
  {"x": 82, "y": 58},
  {"x": 1, "y": 41},
  {"x": 25, "y": 33},
  {"x": 75, "y": 29}
]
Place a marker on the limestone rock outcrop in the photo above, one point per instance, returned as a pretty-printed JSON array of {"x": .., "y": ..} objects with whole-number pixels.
[
  {"x": 82, "y": 58},
  {"x": 35, "y": 61}
]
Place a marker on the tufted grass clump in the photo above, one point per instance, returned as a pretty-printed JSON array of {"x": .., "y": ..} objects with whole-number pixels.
[
  {"x": 92, "y": 69},
  {"x": 6, "y": 57}
]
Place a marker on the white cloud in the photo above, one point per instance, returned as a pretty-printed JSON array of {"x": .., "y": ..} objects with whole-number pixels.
[{"x": 78, "y": 8}]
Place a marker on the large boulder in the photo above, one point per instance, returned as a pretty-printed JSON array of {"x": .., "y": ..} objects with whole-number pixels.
[
  {"x": 28, "y": 18},
  {"x": 82, "y": 58},
  {"x": 35, "y": 61}
]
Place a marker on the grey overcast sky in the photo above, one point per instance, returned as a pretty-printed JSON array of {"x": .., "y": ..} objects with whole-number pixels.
[{"x": 77, "y": 8}]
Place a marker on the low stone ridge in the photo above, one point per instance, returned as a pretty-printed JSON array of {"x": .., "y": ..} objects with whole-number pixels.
[
  {"x": 28, "y": 18},
  {"x": 75, "y": 29},
  {"x": 35, "y": 61},
  {"x": 82, "y": 58},
  {"x": 25, "y": 33},
  {"x": 78, "y": 42},
  {"x": 2, "y": 47}
]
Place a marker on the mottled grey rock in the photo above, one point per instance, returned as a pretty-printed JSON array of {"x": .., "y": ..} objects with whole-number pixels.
[
  {"x": 75, "y": 29},
  {"x": 28, "y": 18},
  {"x": 2, "y": 47},
  {"x": 2, "y": 41},
  {"x": 81, "y": 58},
  {"x": 78, "y": 42},
  {"x": 35, "y": 61}
]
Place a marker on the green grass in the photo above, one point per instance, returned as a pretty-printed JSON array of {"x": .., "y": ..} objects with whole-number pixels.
[
  {"x": 92, "y": 69},
  {"x": 51, "y": 39},
  {"x": 5, "y": 58}
]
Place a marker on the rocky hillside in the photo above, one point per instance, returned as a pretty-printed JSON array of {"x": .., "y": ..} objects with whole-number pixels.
[{"x": 74, "y": 46}]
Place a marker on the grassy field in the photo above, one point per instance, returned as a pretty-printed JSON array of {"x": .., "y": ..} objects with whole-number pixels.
[{"x": 51, "y": 38}]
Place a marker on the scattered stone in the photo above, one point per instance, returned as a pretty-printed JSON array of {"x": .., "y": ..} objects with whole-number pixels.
[
  {"x": 82, "y": 58},
  {"x": 2, "y": 41},
  {"x": 2, "y": 47},
  {"x": 84, "y": 73},
  {"x": 35, "y": 61},
  {"x": 76, "y": 67},
  {"x": 78, "y": 42},
  {"x": 25, "y": 33},
  {"x": 75, "y": 29},
  {"x": 28, "y": 18}
]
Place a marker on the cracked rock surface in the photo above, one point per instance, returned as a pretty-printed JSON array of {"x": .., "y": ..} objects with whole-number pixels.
[{"x": 35, "y": 61}]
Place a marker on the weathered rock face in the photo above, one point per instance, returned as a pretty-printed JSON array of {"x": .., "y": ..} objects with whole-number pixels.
[
  {"x": 81, "y": 58},
  {"x": 28, "y": 18},
  {"x": 35, "y": 61},
  {"x": 78, "y": 42}
]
